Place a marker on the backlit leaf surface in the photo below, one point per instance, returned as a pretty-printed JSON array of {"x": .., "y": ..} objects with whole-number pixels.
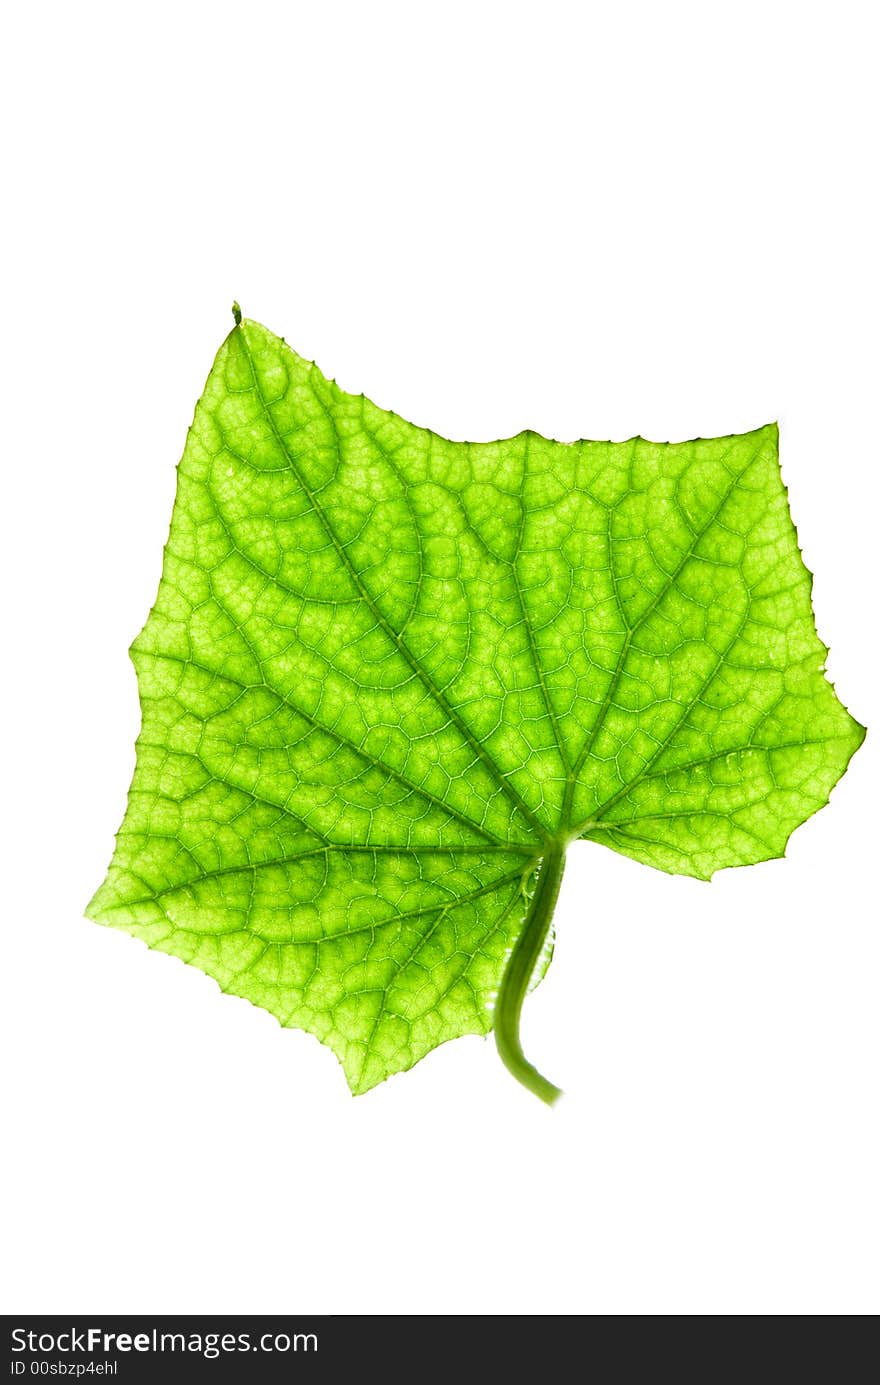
[{"x": 388, "y": 679}]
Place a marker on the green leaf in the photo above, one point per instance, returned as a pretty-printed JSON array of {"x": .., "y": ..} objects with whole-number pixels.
[{"x": 388, "y": 679}]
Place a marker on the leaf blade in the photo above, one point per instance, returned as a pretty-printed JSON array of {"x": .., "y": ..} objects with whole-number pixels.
[{"x": 388, "y": 677}]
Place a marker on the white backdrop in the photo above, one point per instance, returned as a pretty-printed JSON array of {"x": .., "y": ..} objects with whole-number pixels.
[{"x": 589, "y": 219}]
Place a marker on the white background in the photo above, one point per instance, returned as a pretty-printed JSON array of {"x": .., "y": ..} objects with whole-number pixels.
[{"x": 589, "y": 219}]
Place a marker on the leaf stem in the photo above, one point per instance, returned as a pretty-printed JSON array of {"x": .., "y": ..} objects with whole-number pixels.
[{"x": 520, "y": 970}]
